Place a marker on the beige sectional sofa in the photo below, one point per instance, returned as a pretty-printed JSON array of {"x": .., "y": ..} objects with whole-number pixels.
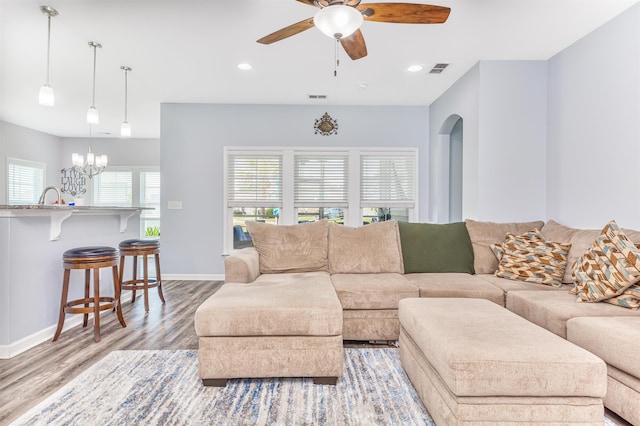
[{"x": 358, "y": 278}]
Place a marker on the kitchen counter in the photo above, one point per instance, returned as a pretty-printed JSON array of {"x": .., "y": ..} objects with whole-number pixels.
[{"x": 59, "y": 214}]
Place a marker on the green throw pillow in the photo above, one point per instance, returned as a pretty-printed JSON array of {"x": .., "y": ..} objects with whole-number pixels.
[{"x": 429, "y": 247}]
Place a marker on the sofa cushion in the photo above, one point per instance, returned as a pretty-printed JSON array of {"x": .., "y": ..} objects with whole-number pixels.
[
  {"x": 297, "y": 304},
  {"x": 369, "y": 249},
  {"x": 580, "y": 239},
  {"x": 614, "y": 339},
  {"x": 430, "y": 247},
  {"x": 552, "y": 309},
  {"x": 511, "y": 285},
  {"x": 293, "y": 248},
  {"x": 483, "y": 234},
  {"x": 372, "y": 291},
  {"x": 608, "y": 268},
  {"x": 456, "y": 285},
  {"x": 528, "y": 257}
]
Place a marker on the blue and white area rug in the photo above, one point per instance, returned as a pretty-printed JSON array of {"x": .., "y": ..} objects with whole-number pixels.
[{"x": 162, "y": 387}]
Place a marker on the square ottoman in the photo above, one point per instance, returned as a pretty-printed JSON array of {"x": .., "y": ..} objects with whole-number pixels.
[
  {"x": 281, "y": 325},
  {"x": 475, "y": 363}
]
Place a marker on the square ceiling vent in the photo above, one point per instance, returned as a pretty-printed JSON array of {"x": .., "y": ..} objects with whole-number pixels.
[{"x": 438, "y": 68}]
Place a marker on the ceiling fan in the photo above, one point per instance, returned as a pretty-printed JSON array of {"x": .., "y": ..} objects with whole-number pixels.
[{"x": 341, "y": 19}]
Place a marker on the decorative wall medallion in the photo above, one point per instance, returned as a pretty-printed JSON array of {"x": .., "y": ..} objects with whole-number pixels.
[{"x": 326, "y": 125}]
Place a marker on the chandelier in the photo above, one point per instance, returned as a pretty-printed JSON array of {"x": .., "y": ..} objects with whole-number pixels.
[{"x": 94, "y": 165}]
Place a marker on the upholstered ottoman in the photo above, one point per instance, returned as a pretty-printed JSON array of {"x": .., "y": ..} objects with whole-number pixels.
[
  {"x": 280, "y": 325},
  {"x": 475, "y": 363}
]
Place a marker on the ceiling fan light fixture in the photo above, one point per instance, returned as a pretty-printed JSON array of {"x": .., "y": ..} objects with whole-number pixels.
[{"x": 338, "y": 21}]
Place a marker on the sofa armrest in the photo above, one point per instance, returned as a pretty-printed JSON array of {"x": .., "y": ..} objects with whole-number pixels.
[{"x": 242, "y": 266}]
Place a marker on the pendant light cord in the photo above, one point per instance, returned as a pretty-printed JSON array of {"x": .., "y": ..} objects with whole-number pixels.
[
  {"x": 126, "y": 73},
  {"x": 48, "y": 46},
  {"x": 93, "y": 102}
]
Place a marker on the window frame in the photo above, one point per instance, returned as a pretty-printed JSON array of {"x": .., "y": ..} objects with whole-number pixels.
[
  {"x": 288, "y": 211},
  {"x": 25, "y": 163}
]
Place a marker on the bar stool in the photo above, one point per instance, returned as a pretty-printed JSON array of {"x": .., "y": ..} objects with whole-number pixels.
[
  {"x": 88, "y": 258},
  {"x": 142, "y": 248}
]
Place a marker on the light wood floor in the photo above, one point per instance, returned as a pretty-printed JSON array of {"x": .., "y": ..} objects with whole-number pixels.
[
  {"x": 30, "y": 377},
  {"x": 33, "y": 375}
]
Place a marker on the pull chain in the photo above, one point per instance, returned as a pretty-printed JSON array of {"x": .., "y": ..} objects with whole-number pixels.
[{"x": 337, "y": 63}]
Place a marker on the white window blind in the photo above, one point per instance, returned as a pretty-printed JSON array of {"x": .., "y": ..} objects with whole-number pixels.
[
  {"x": 113, "y": 188},
  {"x": 150, "y": 194},
  {"x": 25, "y": 181},
  {"x": 387, "y": 180},
  {"x": 321, "y": 180},
  {"x": 254, "y": 180}
]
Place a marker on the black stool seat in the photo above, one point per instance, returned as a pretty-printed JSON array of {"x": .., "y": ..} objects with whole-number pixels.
[
  {"x": 93, "y": 251},
  {"x": 139, "y": 243}
]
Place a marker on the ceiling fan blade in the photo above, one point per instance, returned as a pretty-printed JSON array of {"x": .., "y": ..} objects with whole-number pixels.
[
  {"x": 404, "y": 13},
  {"x": 354, "y": 45},
  {"x": 309, "y": 2},
  {"x": 287, "y": 31}
]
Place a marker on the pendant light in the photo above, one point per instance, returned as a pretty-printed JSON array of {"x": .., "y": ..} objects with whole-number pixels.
[
  {"x": 46, "y": 92},
  {"x": 92, "y": 113},
  {"x": 125, "y": 129}
]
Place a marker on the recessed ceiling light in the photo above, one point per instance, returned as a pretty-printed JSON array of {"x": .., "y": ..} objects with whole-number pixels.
[
  {"x": 363, "y": 85},
  {"x": 244, "y": 66},
  {"x": 414, "y": 68}
]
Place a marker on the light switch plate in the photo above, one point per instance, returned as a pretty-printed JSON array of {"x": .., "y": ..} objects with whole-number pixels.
[{"x": 175, "y": 205}]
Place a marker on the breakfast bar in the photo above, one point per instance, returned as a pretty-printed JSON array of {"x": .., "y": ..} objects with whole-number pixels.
[{"x": 32, "y": 241}]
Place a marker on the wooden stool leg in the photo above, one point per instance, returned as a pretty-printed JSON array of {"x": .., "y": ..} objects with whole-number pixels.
[
  {"x": 117, "y": 290},
  {"x": 63, "y": 302},
  {"x": 96, "y": 304},
  {"x": 135, "y": 277},
  {"x": 159, "y": 280},
  {"x": 87, "y": 283},
  {"x": 121, "y": 277},
  {"x": 145, "y": 266}
]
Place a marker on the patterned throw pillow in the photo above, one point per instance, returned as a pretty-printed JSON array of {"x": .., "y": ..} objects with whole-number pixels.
[
  {"x": 534, "y": 235},
  {"x": 530, "y": 258},
  {"x": 608, "y": 269}
]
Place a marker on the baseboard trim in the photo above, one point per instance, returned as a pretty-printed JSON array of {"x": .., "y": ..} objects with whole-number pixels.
[
  {"x": 193, "y": 277},
  {"x": 26, "y": 343}
]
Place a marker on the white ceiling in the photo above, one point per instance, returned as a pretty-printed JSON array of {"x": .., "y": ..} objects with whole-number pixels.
[{"x": 187, "y": 51}]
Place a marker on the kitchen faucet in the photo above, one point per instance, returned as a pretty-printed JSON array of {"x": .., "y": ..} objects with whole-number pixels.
[{"x": 44, "y": 192}]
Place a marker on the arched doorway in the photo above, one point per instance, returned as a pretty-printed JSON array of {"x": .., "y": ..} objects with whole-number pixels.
[{"x": 447, "y": 165}]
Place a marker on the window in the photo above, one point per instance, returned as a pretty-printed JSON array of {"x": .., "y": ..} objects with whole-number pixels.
[
  {"x": 254, "y": 191},
  {"x": 150, "y": 197},
  {"x": 25, "y": 181},
  {"x": 113, "y": 188},
  {"x": 131, "y": 186},
  {"x": 353, "y": 186},
  {"x": 387, "y": 187},
  {"x": 321, "y": 186}
]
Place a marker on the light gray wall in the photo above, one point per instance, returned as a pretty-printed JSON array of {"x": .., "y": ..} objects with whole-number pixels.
[
  {"x": 503, "y": 106},
  {"x": 461, "y": 99},
  {"x": 594, "y": 127},
  {"x": 26, "y": 144},
  {"x": 512, "y": 140},
  {"x": 192, "y": 141}
]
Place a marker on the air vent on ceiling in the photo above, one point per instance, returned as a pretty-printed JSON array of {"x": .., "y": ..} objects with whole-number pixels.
[
  {"x": 317, "y": 96},
  {"x": 438, "y": 68}
]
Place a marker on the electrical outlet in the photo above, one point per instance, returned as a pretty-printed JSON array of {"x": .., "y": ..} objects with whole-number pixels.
[{"x": 175, "y": 205}]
